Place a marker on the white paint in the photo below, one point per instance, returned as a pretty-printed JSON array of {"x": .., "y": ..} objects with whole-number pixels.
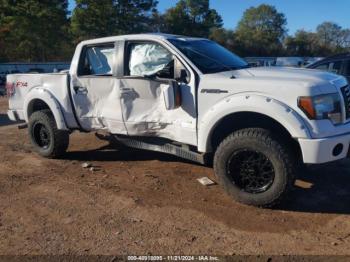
[
  {"x": 136, "y": 106},
  {"x": 321, "y": 150}
]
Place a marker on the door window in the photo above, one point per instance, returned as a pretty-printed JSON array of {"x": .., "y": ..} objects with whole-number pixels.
[
  {"x": 347, "y": 69},
  {"x": 323, "y": 67},
  {"x": 147, "y": 59},
  {"x": 333, "y": 67},
  {"x": 97, "y": 60}
]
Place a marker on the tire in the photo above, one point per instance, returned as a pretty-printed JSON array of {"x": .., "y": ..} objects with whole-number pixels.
[
  {"x": 254, "y": 167},
  {"x": 47, "y": 140}
]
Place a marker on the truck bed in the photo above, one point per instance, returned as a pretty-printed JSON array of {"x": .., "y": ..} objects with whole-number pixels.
[{"x": 19, "y": 85}]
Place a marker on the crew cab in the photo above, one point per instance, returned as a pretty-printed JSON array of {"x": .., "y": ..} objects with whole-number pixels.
[
  {"x": 192, "y": 98},
  {"x": 338, "y": 64}
]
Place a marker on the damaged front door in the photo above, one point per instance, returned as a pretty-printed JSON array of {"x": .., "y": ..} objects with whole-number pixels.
[
  {"x": 95, "y": 90},
  {"x": 149, "y": 70}
]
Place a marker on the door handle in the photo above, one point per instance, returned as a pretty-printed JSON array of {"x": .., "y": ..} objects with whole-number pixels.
[
  {"x": 80, "y": 89},
  {"x": 126, "y": 89}
]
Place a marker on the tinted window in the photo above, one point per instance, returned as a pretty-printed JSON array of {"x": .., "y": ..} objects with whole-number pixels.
[
  {"x": 323, "y": 67},
  {"x": 347, "y": 68},
  {"x": 335, "y": 67},
  {"x": 97, "y": 60},
  {"x": 208, "y": 56}
]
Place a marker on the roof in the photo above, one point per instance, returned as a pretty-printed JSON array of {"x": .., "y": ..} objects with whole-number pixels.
[
  {"x": 329, "y": 58},
  {"x": 35, "y": 63},
  {"x": 337, "y": 56},
  {"x": 341, "y": 55},
  {"x": 159, "y": 36}
]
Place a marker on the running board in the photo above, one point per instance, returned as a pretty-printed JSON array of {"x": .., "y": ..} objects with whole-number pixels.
[
  {"x": 22, "y": 126},
  {"x": 161, "y": 145}
]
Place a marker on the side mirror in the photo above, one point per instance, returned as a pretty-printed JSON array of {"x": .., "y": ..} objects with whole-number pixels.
[
  {"x": 172, "y": 95},
  {"x": 181, "y": 74}
]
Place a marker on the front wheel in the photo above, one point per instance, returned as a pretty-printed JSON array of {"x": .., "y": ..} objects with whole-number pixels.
[
  {"x": 254, "y": 168},
  {"x": 47, "y": 140}
]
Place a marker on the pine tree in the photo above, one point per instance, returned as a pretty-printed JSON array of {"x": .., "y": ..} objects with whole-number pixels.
[
  {"x": 110, "y": 17},
  {"x": 34, "y": 30},
  {"x": 93, "y": 19},
  {"x": 135, "y": 16},
  {"x": 192, "y": 17}
]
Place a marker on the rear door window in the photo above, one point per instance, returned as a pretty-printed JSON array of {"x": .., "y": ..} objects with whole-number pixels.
[{"x": 97, "y": 60}]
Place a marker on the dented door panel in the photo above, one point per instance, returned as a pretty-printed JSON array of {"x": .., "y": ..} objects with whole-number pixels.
[
  {"x": 145, "y": 114},
  {"x": 97, "y": 103}
]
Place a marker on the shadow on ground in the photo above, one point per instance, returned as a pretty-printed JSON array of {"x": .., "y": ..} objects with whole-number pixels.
[
  {"x": 5, "y": 121},
  {"x": 322, "y": 189},
  {"x": 121, "y": 153},
  {"x": 319, "y": 189}
]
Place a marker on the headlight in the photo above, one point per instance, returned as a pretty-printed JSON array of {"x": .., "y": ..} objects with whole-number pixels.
[{"x": 322, "y": 107}]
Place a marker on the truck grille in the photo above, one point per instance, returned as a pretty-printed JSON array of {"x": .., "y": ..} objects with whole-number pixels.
[{"x": 346, "y": 95}]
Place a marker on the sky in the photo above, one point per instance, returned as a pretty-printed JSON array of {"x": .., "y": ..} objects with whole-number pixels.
[{"x": 300, "y": 14}]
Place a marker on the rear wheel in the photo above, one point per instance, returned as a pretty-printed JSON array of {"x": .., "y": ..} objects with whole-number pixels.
[
  {"x": 254, "y": 167},
  {"x": 47, "y": 140}
]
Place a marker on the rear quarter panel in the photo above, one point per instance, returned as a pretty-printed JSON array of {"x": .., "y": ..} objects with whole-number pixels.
[{"x": 55, "y": 84}]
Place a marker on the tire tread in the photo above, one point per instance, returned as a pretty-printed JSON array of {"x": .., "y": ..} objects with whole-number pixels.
[
  {"x": 60, "y": 137},
  {"x": 283, "y": 154}
]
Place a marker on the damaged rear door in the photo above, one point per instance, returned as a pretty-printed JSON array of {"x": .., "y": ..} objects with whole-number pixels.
[
  {"x": 95, "y": 89},
  {"x": 148, "y": 70}
]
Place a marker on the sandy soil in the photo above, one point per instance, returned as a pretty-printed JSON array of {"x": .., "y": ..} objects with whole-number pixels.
[{"x": 141, "y": 202}]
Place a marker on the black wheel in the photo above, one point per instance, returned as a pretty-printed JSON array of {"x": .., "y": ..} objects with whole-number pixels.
[
  {"x": 47, "y": 140},
  {"x": 254, "y": 167}
]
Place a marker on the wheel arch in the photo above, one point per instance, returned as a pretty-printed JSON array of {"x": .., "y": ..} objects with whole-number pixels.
[
  {"x": 40, "y": 99},
  {"x": 249, "y": 111}
]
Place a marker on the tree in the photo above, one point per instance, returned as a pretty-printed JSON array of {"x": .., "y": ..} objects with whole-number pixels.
[
  {"x": 38, "y": 29},
  {"x": 92, "y": 19},
  {"x": 345, "y": 39},
  {"x": 226, "y": 38},
  {"x": 191, "y": 17},
  {"x": 303, "y": 43},
  {"x": 135, "y": 16},
  {"x": 4, "y": 29},
  {"x": 262, "y": 30},
  {"x": 110, "y": 17},
  {"x": 329, "y": 34},
  {"x": 333, "y": 37}
]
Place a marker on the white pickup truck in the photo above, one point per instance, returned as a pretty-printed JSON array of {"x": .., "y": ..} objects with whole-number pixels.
[{"x": 192, "y": 98}]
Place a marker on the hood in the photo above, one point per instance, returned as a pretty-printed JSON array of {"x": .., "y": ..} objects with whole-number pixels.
[
  {"x": 276, "y": 81},
  {"x": 310, "y": 81},
  {"x": 282, "y": 84},
  {"x": 292, "y": 73}
]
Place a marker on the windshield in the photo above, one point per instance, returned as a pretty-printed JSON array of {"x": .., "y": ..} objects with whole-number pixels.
[{"x": 209, "y": 56}]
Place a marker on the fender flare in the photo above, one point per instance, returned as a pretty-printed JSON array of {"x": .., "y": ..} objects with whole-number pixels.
[
  {"x": 47, "y": 97},
  {"x": 270, "y": 107}
]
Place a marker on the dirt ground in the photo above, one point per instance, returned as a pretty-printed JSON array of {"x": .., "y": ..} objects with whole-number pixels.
[{"x": 140, "y": 202}]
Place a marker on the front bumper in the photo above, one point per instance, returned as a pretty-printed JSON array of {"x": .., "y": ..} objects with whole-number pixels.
[{"x": 317, "y": 151}]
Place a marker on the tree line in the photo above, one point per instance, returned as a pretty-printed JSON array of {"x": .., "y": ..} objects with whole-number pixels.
[{"x": 45, "y": 30}]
